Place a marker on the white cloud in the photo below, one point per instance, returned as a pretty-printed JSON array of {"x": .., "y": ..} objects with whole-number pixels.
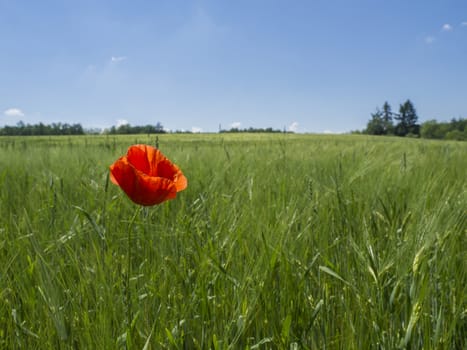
[
  {"x": 235, "y": 125},
  {"x": 330, "y": 132},
  {"x": 446, "y": 27},
  {"x": 117, "y": 59},
  {"x": 121, "y": 122},
  {"x": 13, "y": 112},
  {"x": 196, "y": 129},
  {"x": 429, "y": 39},
  {"x": 293, "y": 127},
  {"x": 464, "y": 24}
]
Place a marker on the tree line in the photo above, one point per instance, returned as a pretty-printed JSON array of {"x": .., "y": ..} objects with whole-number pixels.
[
  {"x": 383, "y": 122},
  {"x": 251, "y": 130},
  {"x": 126, "y": 129},
  {"x": 405, "y": 123},
  {"x": 22, "y": 129}
]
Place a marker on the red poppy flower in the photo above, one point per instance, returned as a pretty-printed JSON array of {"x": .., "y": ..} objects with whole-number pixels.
[{"x": 147, "y": 176}]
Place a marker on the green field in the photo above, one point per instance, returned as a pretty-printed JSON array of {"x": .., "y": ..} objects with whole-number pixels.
[{"x": 279, "y": 242}]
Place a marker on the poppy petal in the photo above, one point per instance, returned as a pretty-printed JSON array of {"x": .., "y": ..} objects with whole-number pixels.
[
  {"x": 122, "y": 173},
  {"x": 155, "y": 190},
  {"x": 147, "y": 176},
  {"x": 168, "y": 170},
  {"x": 180, "y": 182},
  {"x": 141, "y": 188},
  {"x": 112, "y": 177},
  {"x": 137, "y": 156}
]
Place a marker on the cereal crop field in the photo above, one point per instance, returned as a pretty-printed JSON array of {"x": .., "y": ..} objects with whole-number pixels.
[{"x": 280, "y": 241}]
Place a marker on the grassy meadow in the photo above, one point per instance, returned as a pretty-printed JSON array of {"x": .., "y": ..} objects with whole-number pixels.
[{"x": 280, "y": 241}]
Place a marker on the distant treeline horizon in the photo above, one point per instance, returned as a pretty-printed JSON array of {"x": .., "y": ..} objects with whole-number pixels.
[
  {"x": 41, "y": 129},
  {"x": 455, "y": 129}
]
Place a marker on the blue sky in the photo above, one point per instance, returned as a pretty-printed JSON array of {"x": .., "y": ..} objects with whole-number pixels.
[{"x": 308, "y": 66}]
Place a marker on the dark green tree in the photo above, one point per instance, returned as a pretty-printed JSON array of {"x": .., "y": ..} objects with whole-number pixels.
[
  {"x": 407, "y": 120},
  {"x": 380, "y": 122},
  {"x": 386, "y": 116},
  {"x": 375, "y": 125}
]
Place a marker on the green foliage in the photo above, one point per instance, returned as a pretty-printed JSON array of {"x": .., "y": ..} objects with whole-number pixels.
[
  {"x": 407, "y": 120},
  {"x": 375, "y": 125},
  {"x": 381, "y": 122},
  {"x": 127, "y": 129},
  {"x": 42, "y": 129},
  {"x": 456, "y": 129},
  {"x": 280, "y": 241},
  {"x": 457, "y": 135},
  {"x": 22, "y": 129},
  {"x": 386, "y": 116},
  {"x": 253, "y": 130}
]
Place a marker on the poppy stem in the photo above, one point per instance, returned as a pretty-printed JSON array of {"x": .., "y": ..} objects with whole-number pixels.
[{"x": 128, "y": 271}]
